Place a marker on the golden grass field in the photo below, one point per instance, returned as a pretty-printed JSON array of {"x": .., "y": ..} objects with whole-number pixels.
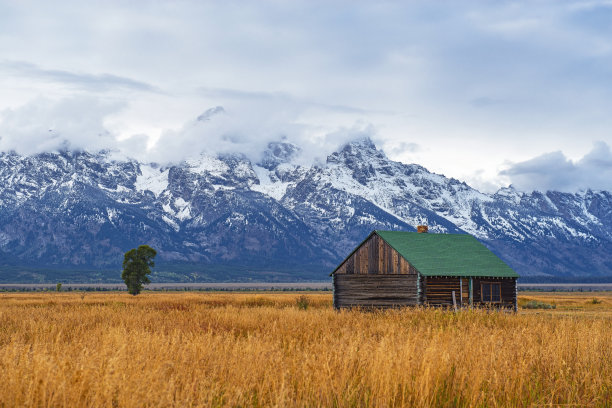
[{"x": 248, "y": 349}]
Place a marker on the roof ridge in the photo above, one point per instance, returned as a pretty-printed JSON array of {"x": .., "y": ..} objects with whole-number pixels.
[{"x": 427, "y": 233}]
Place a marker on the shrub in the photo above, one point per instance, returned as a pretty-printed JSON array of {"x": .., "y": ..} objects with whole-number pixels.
[
  {"x": 536, "y": 304},
  {"x": 595, "y": 301},
  {"x": 302, "y": 302}
]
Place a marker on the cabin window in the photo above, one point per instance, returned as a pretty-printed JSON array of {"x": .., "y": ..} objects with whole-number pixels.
[{"x": 490, "y": 291}]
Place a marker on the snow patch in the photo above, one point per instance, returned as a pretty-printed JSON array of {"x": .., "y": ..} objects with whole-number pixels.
[
  {"x": 118, "y": 189},
  {"x": 268, "y": 187},
  {"x": 112, "y": 215},
  {"x": 208, "y": 164},
  {"x": 171, "y": 222},
  {"x": 152, "y": 179},
  {"x": 184, "y": 209}
]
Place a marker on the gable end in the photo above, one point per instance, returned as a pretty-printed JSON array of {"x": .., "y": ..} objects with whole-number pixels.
[{"x": 374, "y": 256}]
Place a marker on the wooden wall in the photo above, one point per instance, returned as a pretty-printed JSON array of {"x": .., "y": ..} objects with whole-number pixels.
[
  {"x": 381, "y": 291},
  {"x": 508, "y": 292},
  {"x": 375, "y": 256},
  {"x": 438, "y": 291}
]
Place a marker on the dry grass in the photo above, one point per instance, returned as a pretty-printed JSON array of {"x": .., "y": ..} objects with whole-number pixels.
[
  {"x": 569, "y": 303},
  {"x": 189, "y": 349}
]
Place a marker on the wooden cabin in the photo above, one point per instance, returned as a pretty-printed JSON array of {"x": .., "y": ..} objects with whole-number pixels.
[{"x": 397, "y": 268}]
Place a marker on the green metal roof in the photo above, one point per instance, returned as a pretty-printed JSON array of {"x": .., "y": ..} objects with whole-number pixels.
[{"x": 447, "y": 254}]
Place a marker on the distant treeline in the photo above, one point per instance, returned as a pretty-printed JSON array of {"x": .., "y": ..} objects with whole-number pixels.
[
  {"x": 165, "y": 273},
  {"x": 17, "y": 288},
  {"x": 569, "y": 279}
]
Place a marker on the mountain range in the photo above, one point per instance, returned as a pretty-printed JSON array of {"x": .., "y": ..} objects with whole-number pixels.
[{"x": 71, "y": 215}]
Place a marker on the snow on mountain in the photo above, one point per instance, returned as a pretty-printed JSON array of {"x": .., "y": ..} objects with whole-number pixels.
[
  {"x": 362, "y": 170},
  {"x": 78, "y": 209},
  {"x": 152, "y": 178},
  {"x": 273, "y": 188}
]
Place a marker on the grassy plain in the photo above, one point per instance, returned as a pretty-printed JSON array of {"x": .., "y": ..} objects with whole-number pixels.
[{"x": 247, "y": 349}]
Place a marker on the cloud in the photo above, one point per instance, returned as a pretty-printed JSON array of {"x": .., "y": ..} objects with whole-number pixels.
[
  {"x": 83, "y": 123},
  {"x": 92, "y": 82},
  {"x": 470, "y": 82},
  {"x": 554, "y": 171},
  {"x": 236, "y": 94},
  {"x": 403, "y": 147},
  {"x": 482, "y": 182},
  {"x": 486, "y": 102},
  {"x": 45, "y": 125},
  {"x": 248, "y": 128}
]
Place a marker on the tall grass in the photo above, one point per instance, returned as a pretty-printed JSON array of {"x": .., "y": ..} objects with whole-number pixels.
[{"x": 177, "y": 350}]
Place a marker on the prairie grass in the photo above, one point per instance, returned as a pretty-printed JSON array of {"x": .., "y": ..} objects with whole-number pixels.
[{"x": 240, "y": 349}]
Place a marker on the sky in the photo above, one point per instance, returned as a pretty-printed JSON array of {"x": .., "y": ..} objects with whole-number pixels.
[{"x": 489, "y": 92}]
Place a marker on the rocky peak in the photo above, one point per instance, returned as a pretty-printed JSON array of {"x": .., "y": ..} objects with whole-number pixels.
[
  {"x": 509, "y": 194},
  {"x": 209, "y": 113},
  {"x": 362, "y": 157},
  {"x": 278, "y": 153},
  {"x": 360, "y": 149}
]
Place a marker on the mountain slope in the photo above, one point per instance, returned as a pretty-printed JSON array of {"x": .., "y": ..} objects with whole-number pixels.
[{"x": 225, "y": 217}]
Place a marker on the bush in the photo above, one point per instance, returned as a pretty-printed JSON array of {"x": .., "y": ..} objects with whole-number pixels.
[
  {"x": 535, "y": 304},
  {"x": 302, "y": 302},
  {"x": 595, "y": 301}
]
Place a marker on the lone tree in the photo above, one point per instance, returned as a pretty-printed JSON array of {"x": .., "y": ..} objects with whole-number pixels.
[{"x": 137, "y": 264}]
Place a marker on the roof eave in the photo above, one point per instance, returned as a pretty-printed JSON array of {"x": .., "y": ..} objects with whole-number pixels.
[{"x": 468, "y": 275}]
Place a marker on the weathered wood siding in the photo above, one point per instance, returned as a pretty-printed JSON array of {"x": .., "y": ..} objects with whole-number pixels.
[
  {"x": 438, "y": 291},
  {"x": 508, "y": 292},
  {"x": 380, "y": 290},
  {"x": 375, "y": 256}
]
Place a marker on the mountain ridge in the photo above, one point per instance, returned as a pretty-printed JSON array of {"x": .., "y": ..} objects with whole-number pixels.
[{"x": 71, "y": 210}]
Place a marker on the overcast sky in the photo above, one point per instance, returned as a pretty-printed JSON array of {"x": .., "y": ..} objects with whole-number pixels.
[{"x": 491, "y": 93}]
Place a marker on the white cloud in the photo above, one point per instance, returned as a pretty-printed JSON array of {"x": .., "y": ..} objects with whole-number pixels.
[
  {"x": 247, "y": 128},
  {"x": 47, "y": 125},
  {"x": 89, "y": 123},
  {"x": 554, "y": 171},
  {"x": 471, "y": 83},
  {"x": 92, "y": 82}
]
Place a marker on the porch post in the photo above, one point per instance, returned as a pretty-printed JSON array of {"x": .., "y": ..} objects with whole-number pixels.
[
  {"x": 471, "y": 288},
  {"x": 515, "y": 295}
]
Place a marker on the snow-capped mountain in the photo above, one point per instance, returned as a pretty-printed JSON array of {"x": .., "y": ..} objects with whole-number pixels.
[{"x": 213, "y": 215}]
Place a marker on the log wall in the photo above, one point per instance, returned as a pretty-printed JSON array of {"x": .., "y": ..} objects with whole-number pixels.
[
  {"x": 508, "y": 292},
  {"x": 381, "y": 291},
  {"x": 438, "y": 291}
]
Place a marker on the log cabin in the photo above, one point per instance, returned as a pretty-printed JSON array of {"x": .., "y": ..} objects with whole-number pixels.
[{"x": 397, "y": 268}]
